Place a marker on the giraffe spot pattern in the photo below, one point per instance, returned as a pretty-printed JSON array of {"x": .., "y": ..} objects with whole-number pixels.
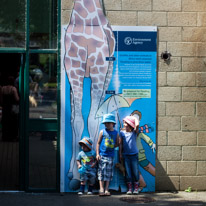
[
  {"x": 102, "y": 17},
  {"x": 100, "y": 86},
  {"x": 75, "y": 82},
  {"x": 94, "y": 70},
  {"x": 95, "y": 22},
  {"x": 102, "y": 78},
  {"x": 73, "y": 51},
  {"x": 73, "y": 75},
  {"x": 80, "y": 72},
  {"x": 103, "y": 70},
  {"x": 78, "y": 20},
  {"x": 89, "y": 5},
  {"x": 81, "y": 10},
  {"x": 67, "y": 62},
  {"x": 88, "y": 30},
  {"x": 94, "y": 80},
  {"x": 75, "y": 63},
  {"x": 98, "y": 32},
  {"x": 82, "y": 54},
  {"x": 99, "y": 59}
]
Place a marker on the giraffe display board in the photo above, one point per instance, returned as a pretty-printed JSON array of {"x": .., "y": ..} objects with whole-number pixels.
[{"x": 96, "y": 81}]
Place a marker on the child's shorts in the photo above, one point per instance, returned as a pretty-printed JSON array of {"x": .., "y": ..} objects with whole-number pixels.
[
  {"x": 105, "y": 169},
  {"x": 88, "y": 177}
]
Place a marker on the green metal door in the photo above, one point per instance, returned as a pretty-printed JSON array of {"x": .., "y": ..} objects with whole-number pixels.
[{"x": 34, "y": 32}]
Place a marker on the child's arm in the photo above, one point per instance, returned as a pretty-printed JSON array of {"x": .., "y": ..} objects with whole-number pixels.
[
  {"x": 79, "y": 164},
  {"x": 117, "y": 141},
  {"x": 137, "y": 129},
  {"x": 94, "y": 164},
  {"x": 98, "y": 145},
  {"x": 120, "y": 149}
]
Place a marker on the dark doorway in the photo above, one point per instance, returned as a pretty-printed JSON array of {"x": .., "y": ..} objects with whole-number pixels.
[{"x": 9, "y": 121}]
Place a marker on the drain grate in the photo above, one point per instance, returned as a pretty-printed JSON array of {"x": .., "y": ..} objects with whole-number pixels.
[{"x": 137, "y": 199}]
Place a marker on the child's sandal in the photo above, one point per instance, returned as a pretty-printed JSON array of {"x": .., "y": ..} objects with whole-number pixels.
[
  {"x": 101, "y": 193},
  {"x": 107, "y": 193}
]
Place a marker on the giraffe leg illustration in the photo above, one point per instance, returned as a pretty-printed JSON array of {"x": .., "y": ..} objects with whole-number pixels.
[{"x": 88, "y": 41}]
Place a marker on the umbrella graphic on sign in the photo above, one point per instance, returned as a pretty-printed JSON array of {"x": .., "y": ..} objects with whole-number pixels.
[{"x": 113, "y": 103}]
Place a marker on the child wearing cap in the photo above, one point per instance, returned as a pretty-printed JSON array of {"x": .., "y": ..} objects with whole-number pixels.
[
  {"x": 86, "y": 162},
  {"x": 108, "y": 140},
  {"x": 128, "y": 148}
]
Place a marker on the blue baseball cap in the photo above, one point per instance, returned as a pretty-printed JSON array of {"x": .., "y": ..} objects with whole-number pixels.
[{"x": 108, "y": 118}]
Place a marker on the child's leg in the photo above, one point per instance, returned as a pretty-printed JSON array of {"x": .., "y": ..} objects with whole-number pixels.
[
  {"x": 107, "y": 188},
  {"x": 127, "y": 163},
  {"x": 82, "y": 186},
  {"x": 128, "y": 168},
  {"x": 101, "y": 185},
  {"x": 135, "y": 168},
  {"x": 91, "y": 184},
  {"x": 107, "y": 185},
  {"x": 135, "y": 173}
]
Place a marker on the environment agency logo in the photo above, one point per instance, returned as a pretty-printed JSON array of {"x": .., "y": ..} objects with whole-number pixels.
[{"x": 128, "y": 40}]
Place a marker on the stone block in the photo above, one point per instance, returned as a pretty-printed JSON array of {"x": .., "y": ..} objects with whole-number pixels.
[
  {"x": 201, "y": 49},
  {"x": 161, "y": 138},
  {"x": 176, "y": 108},
  {"x": 174, "y": 65},
  {"x": 162, "y": 79},
  {"x": 193, "y": 123},
  {"x": 181, "y": 168},
  {"x": 181, "y": 79},
  {"x": 194, "y": 94},
  {"x": 197, "y": 183},
  {"x": 161, "y": 108},
  {"x": 182, "y": 48},
  {"x": 161, "y": 168},
  {"x": 169, "y": 94},
  {"x": 201, "y": 79},
  {"x": 169, "y": 183},
  {"x": 166, "y": 5},
  {"x": 137, "y": 5},
  {"x": 65, "y": 17},
  {"x": 194, "y": 5},
  {"x": 194, "y": 153},
  {"x": 67, "y": 4},
  {"x": 182, "y": 18},
  {"x": 201, "y": 108},
  {"x": 201, "y": 138},
  {"x": 201, "y": 19},
  {"x": 127, "y": 18},
  {"x": 152, "y": 19},
  {"x": 182, "y": 138},
  {"x": 190, "y": 64},
  {"x": 169, "y": 153},
  {"x": 169, "y": 123},
  {"x": 201, "y": 168},
  {"x": 162, "y": 47},
  {"x": 170, "y": 34},
  {"x": 194, "y": 34},
  {"x": 113, "y": 4}
]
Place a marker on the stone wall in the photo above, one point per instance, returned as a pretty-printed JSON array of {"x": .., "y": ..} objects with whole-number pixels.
[{"x": 181, "y": 122}]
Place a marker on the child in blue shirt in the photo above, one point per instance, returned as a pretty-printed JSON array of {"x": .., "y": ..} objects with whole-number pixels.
[
  {"x": 108, "y": 140},
  {"x": 129, "y": 149},
  {"x": 86, "y": 162}
]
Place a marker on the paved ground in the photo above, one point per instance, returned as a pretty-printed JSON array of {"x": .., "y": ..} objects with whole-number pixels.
[{"x": 68, "y": 199}]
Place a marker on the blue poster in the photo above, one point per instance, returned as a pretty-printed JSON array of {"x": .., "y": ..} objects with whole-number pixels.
[{"x": 123, "y": 84}]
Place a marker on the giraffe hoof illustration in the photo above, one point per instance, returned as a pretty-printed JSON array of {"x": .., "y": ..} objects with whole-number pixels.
[
  {"x": 74, "y": 184},
  {"x": 70, "y": 175}
]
